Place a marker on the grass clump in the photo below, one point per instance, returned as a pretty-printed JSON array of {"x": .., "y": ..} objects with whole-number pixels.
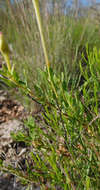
[{"x": 64, "y": 143}]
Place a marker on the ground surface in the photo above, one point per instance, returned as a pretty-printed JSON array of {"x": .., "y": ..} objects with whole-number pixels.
[
  {"x": 11, "y": 120},
  {"x": 11, "y": 114}
]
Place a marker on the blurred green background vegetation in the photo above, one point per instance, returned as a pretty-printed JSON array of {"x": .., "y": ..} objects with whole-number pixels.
[
  {"x": 67, "y": 31},
  {"x": 66, "y": 144}
]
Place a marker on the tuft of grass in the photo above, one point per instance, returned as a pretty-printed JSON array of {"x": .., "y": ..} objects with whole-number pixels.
[{"x": 64, "y": 144}]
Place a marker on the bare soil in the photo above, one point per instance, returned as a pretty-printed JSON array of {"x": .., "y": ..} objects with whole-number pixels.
[{"x": 11, "y": 116}]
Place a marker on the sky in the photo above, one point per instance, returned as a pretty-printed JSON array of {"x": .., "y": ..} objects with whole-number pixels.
[{"x": 86, "y": 2}]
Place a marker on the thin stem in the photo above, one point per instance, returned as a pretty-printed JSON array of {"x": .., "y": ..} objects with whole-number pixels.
[{"x": 38, "y": 17}]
